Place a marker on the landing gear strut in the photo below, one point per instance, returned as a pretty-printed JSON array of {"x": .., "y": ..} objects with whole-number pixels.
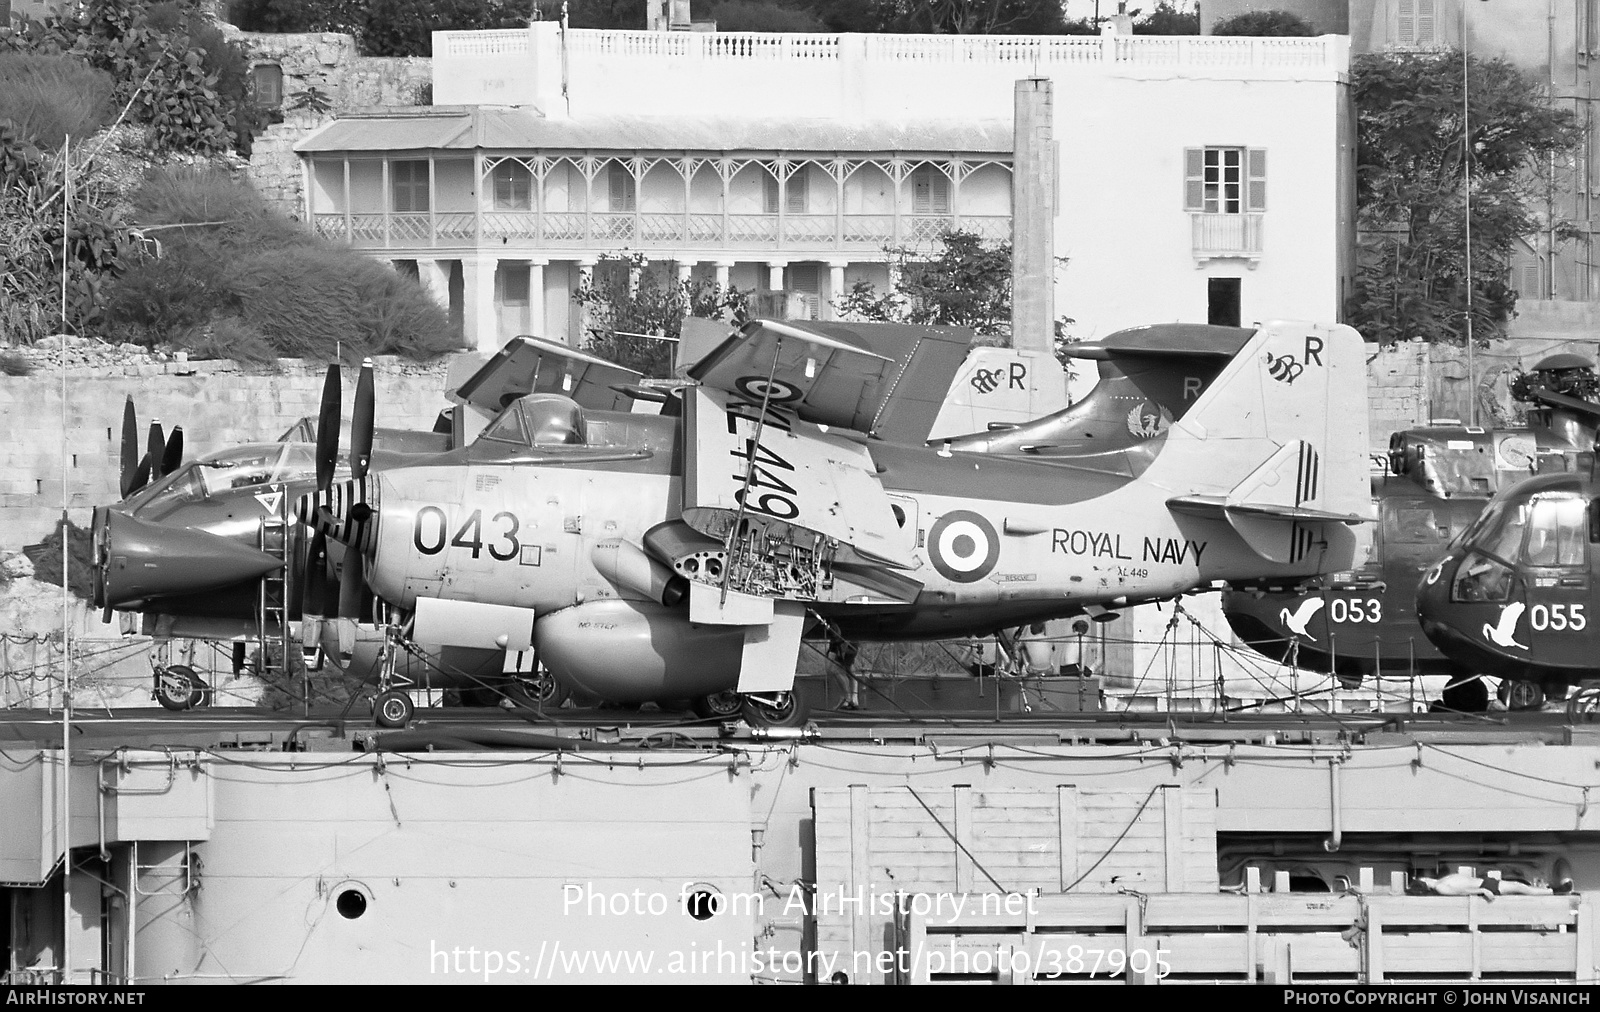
[{"x": 393, "y": 706}]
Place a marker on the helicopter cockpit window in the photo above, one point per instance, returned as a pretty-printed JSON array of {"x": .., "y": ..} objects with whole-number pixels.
[
  {"x": 1503, "y": 537},
  {"x": 1556, "y": 533},
  {"x": 1480, "y": 578},
  {"x": 1413, "y": 523}
]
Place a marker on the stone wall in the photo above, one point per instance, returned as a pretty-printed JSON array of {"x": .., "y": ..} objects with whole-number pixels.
[
  {"x": 217, "y": 403},
  {"x": 329, "y": 63}
]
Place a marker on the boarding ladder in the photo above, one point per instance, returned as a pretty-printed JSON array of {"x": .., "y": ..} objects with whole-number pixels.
[{"x": 272, "y": 606}]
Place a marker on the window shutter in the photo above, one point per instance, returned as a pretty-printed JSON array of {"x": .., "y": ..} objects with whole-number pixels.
[
  {"x": 930, "y": 192},
  {"x": 1406, "y": 30},
  {"x": 621, "y": 188},
  {"x": 1255, "y": 180},
  {"x": 1425, "y": 22},
  {"x": 1194, "y": 179},
  {"x": 771, "y": 202},
  {"x": 797, "y": 193}
]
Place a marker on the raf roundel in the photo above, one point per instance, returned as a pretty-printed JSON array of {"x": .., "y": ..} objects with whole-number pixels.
[{"x": 964, "y": 546}]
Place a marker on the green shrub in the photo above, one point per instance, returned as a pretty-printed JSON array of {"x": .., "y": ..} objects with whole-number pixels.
[
  {"x": 47, "y": 98},
  {"x": 233, "y": 338},
  {"x": 310, "y": 301},
  {"x": 1264, "y": 24},
  {"x": 235, "y": 280}
]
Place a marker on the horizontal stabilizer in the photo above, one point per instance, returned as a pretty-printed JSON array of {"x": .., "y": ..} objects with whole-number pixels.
[
  {"x": 1275, "y": 509},
  {"x": 1165, "y": 340}
]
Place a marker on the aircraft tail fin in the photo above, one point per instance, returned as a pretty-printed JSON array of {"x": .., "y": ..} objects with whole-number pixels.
[
  {"x": 1277, "y": 446},
  {"x": 1000, "y": 387}
]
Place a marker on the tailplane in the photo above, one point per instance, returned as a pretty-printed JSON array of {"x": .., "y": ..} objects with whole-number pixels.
[{"x": 1277, "y": 447}]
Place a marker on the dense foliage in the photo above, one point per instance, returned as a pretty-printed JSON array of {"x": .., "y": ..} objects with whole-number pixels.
[
  {"x": 1167, "y": 18},
  {"x": 1411, "y": 177},
  {"x": 236, "y": 280},
  {"x": 188, "y": 85},
  {"x": 382, "y": 27},
  {"x": 967, "y": 283},
  {"x": 624, "y": 299},
  {"x": 1264, "y": 24}
]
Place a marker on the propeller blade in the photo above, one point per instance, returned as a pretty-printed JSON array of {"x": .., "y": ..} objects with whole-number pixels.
[
  {"x": 173, "y": 456},
  {"x": 314, "y": 598},
  {"x": 156, "y": 446},
  {"x": 328, "y": 429},
  {"x": 352, "y": 584},
  {"x": 141, "y": 474},
  {"x": 130, "y": 449},
  {"x": 361, "y": 424}
]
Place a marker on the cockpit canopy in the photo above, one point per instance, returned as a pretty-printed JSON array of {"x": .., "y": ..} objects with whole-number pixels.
[
  {"x": 540, "y": 420},
  {"x": 238, "y": 467}
]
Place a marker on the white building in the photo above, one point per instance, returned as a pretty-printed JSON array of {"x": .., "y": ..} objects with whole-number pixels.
[{"x": 1199, "y": 179}]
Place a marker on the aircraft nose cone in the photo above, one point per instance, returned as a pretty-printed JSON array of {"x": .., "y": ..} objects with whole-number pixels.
[{"x": 140, "y": 560}]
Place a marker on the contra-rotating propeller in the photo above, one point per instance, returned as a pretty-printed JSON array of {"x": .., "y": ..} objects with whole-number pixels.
[
  {"x": 345, "y": 521},
  {"x": 162, "y": 455}
]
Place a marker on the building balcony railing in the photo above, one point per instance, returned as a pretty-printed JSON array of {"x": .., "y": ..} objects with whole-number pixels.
[
  {"x": 1226, "y": 235},
  {"x": 1032, "y": 51},
  {"x": 604, "y": 231}
]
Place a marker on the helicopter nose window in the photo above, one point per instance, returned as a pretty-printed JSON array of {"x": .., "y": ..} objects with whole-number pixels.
[
  {"x": 1503, "y": 537},
  {"x": 1556, "y": 533},
  {"x": 1480, "y": 578}
]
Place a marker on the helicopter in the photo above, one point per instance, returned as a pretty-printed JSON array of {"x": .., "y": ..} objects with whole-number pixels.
[
  {"x": 1427, "y": 489},
  {"x": 1514, "y": 596}
]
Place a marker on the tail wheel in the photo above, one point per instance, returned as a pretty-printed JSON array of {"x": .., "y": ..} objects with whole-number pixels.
[
  {"x": 1465, "y": 694},
  {"x": 1520, "y": 695},
  {"x": 726, "y": 705},
  {"x": 393, "y": 709},
  {"x": 775, "y": 709},
  {"x": 179, "y": 688},
  {"x": 537, "y": 692}
]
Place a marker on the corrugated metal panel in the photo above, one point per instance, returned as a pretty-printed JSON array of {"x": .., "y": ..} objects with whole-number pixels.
[
  {"x": 872, "y": 843},
  {"x": 519, "y": 129}
]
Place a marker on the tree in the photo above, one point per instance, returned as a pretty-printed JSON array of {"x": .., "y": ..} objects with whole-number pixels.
[
  {"x": 625, "y": 299},
  {"x": 1411, "y": 178},
  {"x": 971, "y": 17},
  {"x": 762, "y": 16},
  {"x": 1264, "y": 24},
  {"x": 967, "y": 284},
  {"x": 1168, "y": 19}
]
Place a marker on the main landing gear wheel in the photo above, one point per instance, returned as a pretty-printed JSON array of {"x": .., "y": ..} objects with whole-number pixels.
[
  {"x": 775, "y": 709},
  {"x": 1521, "y": 695},
  {"x": 725, "y": 705},
  {"x": 1465, "y": 694},
  {"x": 179, "y": 688},
  {"x": 393, "y": 709}
]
